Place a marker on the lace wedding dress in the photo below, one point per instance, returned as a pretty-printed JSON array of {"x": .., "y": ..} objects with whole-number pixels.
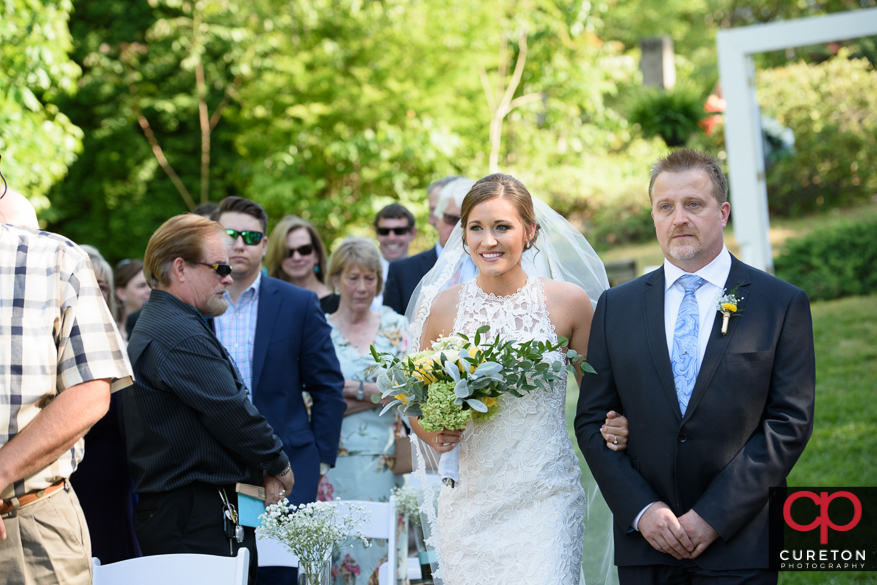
[{"x": 517, "y": 514}]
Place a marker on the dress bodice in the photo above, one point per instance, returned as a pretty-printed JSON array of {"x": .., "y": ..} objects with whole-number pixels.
[
  {"x": 518, "y": 508},
  {"x": 522, "y": 315}
]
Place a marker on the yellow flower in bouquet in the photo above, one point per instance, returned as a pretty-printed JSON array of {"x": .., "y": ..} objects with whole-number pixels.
[{"x": 458, "y": 380}]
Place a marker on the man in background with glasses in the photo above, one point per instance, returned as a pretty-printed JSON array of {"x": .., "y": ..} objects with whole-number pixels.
[
  {"x": 280, "y": 339},
  {"x": 62, "y": 357},
  {"x": 404, "y": 275},
  {"x": 395, "y": 230},
  {"x": 191, "y": 432}
]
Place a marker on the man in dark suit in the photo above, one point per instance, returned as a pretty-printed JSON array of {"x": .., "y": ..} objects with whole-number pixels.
[
  {"x": 717, "y": 417},
  {"x": 404, "y": 275},
  {"x": 280, "y": 341}
]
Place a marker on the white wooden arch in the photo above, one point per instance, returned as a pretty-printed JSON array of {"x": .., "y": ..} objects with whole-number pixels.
[{"x": 742, "y": 116}]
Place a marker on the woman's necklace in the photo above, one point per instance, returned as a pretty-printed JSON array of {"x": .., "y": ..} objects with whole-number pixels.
[{"x": 360, "y": 335}]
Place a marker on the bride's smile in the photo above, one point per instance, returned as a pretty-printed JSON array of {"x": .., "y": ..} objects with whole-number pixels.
[{"x": 496, "y": 236}]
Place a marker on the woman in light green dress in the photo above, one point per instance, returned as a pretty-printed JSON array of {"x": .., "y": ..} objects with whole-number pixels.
[{"x": 366, "y": 454}]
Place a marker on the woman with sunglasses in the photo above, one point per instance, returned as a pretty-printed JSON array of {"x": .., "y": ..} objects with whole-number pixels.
[{"x": 296, "y": 254}]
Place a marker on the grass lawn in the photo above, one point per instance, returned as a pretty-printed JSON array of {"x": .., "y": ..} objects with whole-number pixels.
[{"x": 843, "y": 448}]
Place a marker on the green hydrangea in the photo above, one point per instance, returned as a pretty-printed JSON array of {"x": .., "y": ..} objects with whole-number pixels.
[
  {"x": 492, "y": 411},
  {"x": 440, "y": 412}
]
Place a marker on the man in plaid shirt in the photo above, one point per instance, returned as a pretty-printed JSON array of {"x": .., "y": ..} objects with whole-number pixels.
[{"x": 60, "y": 357}]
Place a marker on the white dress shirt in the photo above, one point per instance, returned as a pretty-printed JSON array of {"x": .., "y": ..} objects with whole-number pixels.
[
  {"x": 378, "y": 301},
  {"x": 236, "y": 330},
  {"x": 716, "y": 275}
]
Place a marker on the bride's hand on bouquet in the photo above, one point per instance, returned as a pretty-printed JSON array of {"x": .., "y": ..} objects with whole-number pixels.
[
  {"x": 615, "y": 431},
  {"x": 442, "y": 441}
]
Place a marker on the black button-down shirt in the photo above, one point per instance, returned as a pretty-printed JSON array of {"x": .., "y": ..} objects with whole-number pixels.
[{"x": 187, "y": 417}]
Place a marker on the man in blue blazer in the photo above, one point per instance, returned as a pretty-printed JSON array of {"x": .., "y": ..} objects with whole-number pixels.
[
  {"x": 280, "y": 342},
  {"x": 719, "y": 412}
]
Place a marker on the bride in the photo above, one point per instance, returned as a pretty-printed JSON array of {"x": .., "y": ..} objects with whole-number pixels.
[{"x": 517, "y": 514}]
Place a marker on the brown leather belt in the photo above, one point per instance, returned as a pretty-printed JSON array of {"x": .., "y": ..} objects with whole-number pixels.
[{"x": 27, "y": 499}]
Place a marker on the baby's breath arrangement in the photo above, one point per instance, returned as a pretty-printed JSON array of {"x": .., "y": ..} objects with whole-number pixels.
[
  {"x": 408, "y": 503},
  {"x": 313, "y": 532},
  {"x": 459, "y": 379}
]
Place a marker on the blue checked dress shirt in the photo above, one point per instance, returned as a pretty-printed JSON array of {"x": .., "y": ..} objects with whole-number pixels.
[
  {"x": 685, "y": 351},
  {"x": 236, "y": 330}
]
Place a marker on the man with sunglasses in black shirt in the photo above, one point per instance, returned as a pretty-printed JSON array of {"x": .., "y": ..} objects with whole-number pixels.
[{"x": 191, "y": 433}]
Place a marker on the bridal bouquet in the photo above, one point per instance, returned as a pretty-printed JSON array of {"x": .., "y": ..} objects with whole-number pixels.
[
  {"x": 313, "y": 532},
  {"x": 459, "y": 379}
]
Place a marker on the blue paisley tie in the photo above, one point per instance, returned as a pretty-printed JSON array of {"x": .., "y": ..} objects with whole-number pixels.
[{"x": 685, "y": 341}]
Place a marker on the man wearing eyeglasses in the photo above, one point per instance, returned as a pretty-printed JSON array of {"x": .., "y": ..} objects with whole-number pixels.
[
  {"x": 191, "y": 433},
  {"x": 281, "y": 342},
  {"x": 395, "y": 230},
  {"x": 404, "y": 275}
]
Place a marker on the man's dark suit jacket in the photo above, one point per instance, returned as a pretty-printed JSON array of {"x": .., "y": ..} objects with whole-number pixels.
[
  {"x": 404, "y": 276},
  {"x": 748, "y": 421},
  {"x": 292, "y": 352}
]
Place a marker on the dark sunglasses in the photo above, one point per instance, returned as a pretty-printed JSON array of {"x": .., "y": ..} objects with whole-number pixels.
[
  {"x": 222, "y": 270},
  {"x": 305, "y": 250},
  {"x": 250, "y": 238},
  {"x": 450, "y": 219},
  {"x": 399, "y": 231}
]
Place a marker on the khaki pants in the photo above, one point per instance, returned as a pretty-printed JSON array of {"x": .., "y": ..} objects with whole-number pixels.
[{"x": 47, "y": 543}]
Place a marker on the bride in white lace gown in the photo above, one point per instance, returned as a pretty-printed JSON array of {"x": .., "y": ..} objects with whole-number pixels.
[{"x": 517, "y": 514}]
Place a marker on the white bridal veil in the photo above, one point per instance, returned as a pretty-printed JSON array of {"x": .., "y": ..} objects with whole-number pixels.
[{"x": 562, "y": 253}]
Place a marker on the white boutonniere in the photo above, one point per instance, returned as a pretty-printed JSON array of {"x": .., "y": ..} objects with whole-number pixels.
[{"x": 728, "y": 305}]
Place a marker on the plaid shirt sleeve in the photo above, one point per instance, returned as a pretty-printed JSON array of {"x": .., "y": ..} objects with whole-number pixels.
[{"x": 57, "y": 332}]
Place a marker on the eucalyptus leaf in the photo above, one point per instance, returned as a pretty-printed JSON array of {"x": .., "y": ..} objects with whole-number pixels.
[
  {"x": 487, "y": 368},
  {"x": 389, "y": 406},
  {"x": 452, "y": 370},
  {"x": 462, "y": 389},
  {"x": 476, "y": 404}
]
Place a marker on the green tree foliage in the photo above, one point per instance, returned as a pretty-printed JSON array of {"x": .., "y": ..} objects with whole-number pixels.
[
  {"x": 693, "y": 25},
  {"x": 832, "y": 109},
  {"x": 37, "y": 141},
  {"x": 333, "y": 108},
  {"x": 140, "y": 65}
]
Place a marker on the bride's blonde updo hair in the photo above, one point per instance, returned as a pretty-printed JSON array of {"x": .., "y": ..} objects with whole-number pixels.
[{"x": 500, "y": 185}]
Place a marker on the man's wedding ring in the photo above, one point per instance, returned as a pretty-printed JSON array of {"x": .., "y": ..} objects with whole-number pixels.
[{"x": 614, "y": 439}]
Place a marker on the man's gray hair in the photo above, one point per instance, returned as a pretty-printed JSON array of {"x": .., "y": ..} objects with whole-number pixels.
[
  {"x": 441, "y": 183},
  {"x": 454, "y": 191}
]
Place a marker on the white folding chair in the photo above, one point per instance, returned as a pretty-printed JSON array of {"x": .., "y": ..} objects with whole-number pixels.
[
  {"x": 382, "y": 525},
  {"x": 175, "y": 569},
  {"x": 274, "y": 554}
]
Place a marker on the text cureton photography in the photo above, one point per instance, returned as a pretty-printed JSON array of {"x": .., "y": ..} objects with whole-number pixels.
[{"x": 823, "y": 529}]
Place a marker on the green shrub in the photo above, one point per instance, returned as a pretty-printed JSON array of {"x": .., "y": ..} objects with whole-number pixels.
[
  {"x": 832, "y": 109},
  {"x": 834, "y": 262},
  {"x": 672, "y": 114}
]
